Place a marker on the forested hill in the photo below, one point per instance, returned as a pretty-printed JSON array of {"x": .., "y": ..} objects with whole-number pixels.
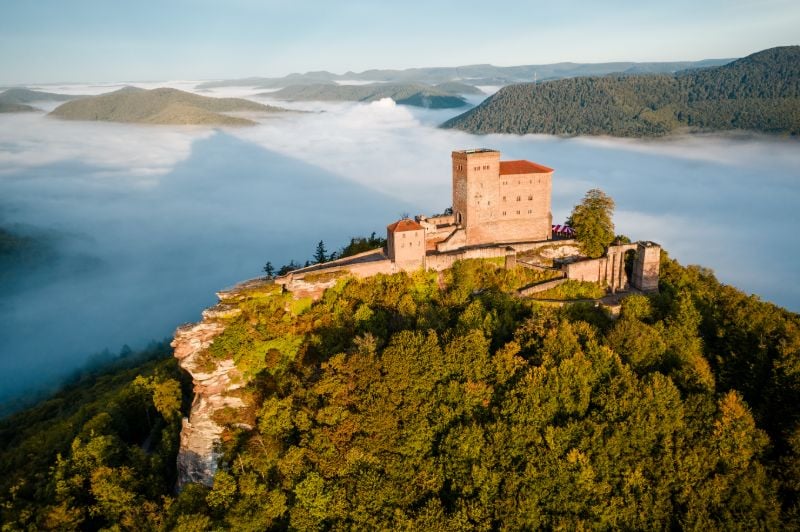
[
  {"x": 427, "y": 402},
  {"x": 160, "y": 106},
  {"x": 760, "y": 92}
]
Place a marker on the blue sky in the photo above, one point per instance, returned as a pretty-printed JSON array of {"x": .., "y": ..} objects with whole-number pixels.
[{"x": 106, "y": 40}]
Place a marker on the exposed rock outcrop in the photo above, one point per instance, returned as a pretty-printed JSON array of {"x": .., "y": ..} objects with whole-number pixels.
[{"x": 213, "y": 380}]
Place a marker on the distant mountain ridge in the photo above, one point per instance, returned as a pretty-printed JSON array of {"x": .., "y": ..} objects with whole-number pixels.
[
  {"x": 416, "y": 94},
  {"x": 160, "y": 106},
  {"x": 760, "y": 92},
  {"x": 16, "y": 99},
  {"x": 471, "y": 74}
]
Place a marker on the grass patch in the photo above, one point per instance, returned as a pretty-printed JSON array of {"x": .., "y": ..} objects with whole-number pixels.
[
  {"x": 572, "y": 290},
  {"x": 301, "y": 305},
  {"x": 324, "y": 277}
]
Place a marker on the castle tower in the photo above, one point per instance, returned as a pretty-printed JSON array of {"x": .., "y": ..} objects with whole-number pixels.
[
  {"x": 646, "y": 267},
  {"x": 405, "y": 244},
  {"x": 498, "y": 201}
]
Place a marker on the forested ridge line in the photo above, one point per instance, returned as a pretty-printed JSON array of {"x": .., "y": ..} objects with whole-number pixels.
[{"x": 760, "y": 93}]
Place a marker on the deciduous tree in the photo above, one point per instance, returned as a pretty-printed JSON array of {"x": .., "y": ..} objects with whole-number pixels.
[{"x": 591, "y": 219}]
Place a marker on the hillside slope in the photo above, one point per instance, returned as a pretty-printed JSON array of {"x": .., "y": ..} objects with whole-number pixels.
[
  {"x": 428, "y": 402},
  {"x": 416, "y": 94},
  {"x": 160, "y": 106},
  {"x": 17, "y": 99},
  {"x": 24, "y": 96},
  {"x": 15, "y": 108},
  {"x": 760, "y": 92}
]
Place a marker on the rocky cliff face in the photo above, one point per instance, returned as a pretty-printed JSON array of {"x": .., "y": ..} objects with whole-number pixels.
[{"x": 213, "y": 383}]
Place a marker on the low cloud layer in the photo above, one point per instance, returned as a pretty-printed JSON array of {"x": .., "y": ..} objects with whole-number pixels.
[{"x": 151, "y": 220}]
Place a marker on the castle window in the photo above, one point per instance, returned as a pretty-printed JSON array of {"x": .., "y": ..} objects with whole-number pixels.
[
  {"x": 529, "y": 211},
  {"x": 517, "y": 212},
  {"x": 504, "y": 198},
  {"x": 518, "y": 198},
  {"x": 504, "y": 213},
  {"x": 530, "y": 198}
]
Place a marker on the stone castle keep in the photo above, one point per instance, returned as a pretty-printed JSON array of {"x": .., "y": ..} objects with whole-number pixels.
[{"x": 500, "y": 209}]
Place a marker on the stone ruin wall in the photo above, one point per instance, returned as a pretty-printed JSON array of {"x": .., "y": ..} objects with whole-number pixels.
[{"x": 610, "y": 269}]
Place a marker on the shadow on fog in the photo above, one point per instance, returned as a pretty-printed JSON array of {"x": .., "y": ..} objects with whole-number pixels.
[{"x": 137, "y": 259}]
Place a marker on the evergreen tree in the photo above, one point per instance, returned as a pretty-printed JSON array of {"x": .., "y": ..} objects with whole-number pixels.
[
  {"x": 591, "y": 219},
  {"x": 269, "y": 270},
  {"x": 320, "y": 255}
]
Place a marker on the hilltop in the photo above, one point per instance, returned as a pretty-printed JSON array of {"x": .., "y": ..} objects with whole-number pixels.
[
  {"x": 416, "y": 94},
  {"x": 472, "y": 74},
  {"x": 160, "y": 106},
  {"x": 760, "y": 92}
]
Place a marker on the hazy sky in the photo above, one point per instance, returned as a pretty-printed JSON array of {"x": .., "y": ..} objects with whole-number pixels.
[{"x": 102, "y": 40}]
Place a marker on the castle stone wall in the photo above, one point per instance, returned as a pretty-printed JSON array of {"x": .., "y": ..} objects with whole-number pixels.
[{"x": 590, "y": 270}]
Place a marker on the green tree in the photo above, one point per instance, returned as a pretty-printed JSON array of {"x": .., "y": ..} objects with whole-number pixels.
[
  {"x": 591, "y": 219},
  {"x": 269, "y": 269},
  {"x": 321, "y": 254}
]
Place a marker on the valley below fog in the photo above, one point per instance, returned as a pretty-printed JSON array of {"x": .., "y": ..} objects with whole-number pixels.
[{"x": 146, "y": 223}]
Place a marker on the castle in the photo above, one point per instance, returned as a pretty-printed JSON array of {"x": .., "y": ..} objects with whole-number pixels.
[{"x": 500, "y": 209}]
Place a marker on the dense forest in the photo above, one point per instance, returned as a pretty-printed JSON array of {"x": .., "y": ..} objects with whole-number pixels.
[
  {"x": 443, "y": 402},
  {"x": 760, "y": 92}
]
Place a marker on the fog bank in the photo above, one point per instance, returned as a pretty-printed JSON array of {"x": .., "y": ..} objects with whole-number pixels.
[{"x": 149, "y": 221}]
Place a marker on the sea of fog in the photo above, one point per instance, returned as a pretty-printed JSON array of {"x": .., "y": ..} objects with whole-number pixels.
[{"x": 145, "y": 223}]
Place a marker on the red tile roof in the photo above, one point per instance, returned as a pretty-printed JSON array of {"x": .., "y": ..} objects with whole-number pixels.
[
  {"x": 404, "y": 225},
  {"x": 522, "y": 167}
]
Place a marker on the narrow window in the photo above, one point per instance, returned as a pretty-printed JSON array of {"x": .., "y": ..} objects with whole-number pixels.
[
  {"x": 518, "y": 198},
  {"x": 504, "y": 198},
  {"x": 530, "y": 198}
]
